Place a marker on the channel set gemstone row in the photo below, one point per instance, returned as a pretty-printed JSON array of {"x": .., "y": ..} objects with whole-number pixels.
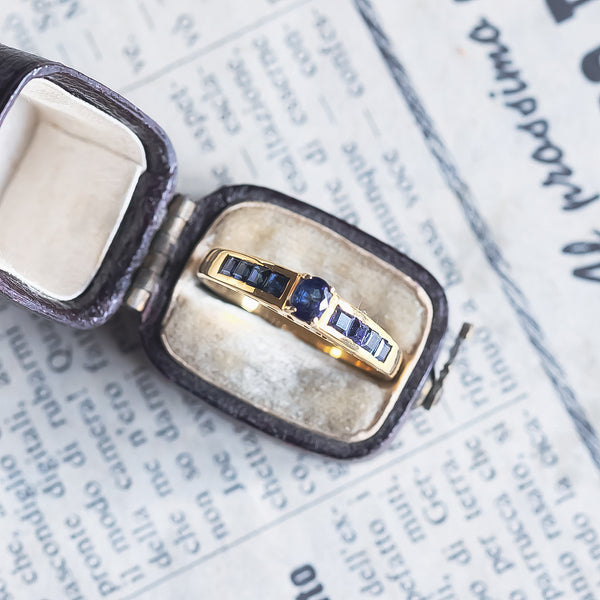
[
  {"x": 361, "y": 334},
  {"x": 254, "y": 275}
]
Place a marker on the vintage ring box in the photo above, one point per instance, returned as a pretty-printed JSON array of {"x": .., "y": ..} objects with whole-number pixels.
[{"x": 89, "y": 221}]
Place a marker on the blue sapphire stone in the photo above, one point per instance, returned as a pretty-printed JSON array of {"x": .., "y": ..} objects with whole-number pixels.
[
  {"x": 382, "y": 352},
  {"x": 358, "y": 331},
  {"x": 241, "y": 271},
  {"x": 275, "y": 284},
  {"x": 310, "y": 298},
  {"x": 258, "y": 276},
  {"x": 229, "y": 264},
  {"x": 341, "y": 321},
  {"x": 371, "y": 342}
]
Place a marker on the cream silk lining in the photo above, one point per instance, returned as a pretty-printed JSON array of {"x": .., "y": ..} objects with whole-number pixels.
[{"x": 67, "y": 175}]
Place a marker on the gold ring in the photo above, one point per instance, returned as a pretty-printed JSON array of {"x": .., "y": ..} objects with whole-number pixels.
[{"x": 304, "y": 304}]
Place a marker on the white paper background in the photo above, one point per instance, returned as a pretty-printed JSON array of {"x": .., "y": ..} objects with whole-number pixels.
[{"x": 492, "y": 495}]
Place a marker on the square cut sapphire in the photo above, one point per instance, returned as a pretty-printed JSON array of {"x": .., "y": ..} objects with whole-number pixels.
[
  {"x": 357, "y": 332},
  {"x": 258, "y": 276},
  {"x": 228, "y": 266},
  {"x": 275, "y": 284},
  {"x": 382, "y": 352},
  {"x": 341, "y": 321},
  {"x": 371, "y": 341},
  {"x": 241, "y": 271}
]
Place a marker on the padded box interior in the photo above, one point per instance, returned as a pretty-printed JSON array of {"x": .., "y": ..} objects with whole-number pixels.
[
  {"x": 273, "y": 370},
  {"x": 67, "y": 175}
]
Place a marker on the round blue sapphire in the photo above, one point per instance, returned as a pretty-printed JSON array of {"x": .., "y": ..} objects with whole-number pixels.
[{"x": 310, "y": 298}]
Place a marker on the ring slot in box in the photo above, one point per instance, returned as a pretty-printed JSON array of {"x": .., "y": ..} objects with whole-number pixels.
[{"x": 85, "y": 182}]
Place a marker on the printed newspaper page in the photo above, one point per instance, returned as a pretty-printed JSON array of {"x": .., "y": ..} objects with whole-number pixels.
[{"x": 464, "y": 133}]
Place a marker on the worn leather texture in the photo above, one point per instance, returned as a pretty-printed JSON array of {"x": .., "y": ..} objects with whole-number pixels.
[
  {"x": 207, "y": 211},
  {"x": 146, "y": 210}
]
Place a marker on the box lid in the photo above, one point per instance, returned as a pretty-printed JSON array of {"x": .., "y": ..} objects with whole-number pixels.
[{"x": 85, "y": 179}]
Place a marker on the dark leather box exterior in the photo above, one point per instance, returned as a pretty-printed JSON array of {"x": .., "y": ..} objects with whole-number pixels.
[
  {"x": 143, "y": 216},
  {"x": 207, "y": 210}
]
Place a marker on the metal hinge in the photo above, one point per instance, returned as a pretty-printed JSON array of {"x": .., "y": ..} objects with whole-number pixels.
[
  {"x": 149, "y": 274},
  {"x": 432, "y": 392}
]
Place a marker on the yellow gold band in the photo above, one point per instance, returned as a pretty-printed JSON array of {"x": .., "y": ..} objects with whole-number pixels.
[{"x": 304, "y": 304}]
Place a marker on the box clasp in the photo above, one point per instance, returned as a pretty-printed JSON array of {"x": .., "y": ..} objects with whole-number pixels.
[{"x": 432, "y": 392}]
